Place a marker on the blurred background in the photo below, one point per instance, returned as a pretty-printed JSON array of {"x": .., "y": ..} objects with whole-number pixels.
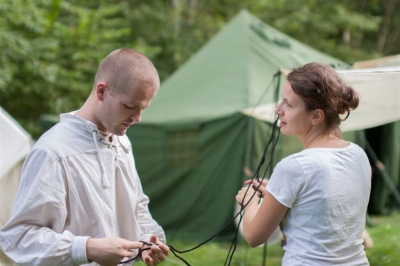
[
  {"x": 215, "y": 59},
  {"x": 50, "y": 49}
]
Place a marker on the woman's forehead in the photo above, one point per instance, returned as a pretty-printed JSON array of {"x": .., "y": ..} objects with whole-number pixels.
[
  {"x": 289, "y": 94},
  {"x": 287, "y": 90}
]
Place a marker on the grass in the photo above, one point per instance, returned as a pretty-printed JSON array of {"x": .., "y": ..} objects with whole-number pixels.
[
  {"x": 216, "y": 253},
  {"x": 385, "y": 232}
]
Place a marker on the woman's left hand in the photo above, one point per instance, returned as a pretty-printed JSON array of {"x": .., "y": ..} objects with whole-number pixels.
[{"x": 244, "y": 195}]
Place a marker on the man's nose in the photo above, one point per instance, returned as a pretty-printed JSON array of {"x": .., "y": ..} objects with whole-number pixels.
[{"x": 137, "y": 116}]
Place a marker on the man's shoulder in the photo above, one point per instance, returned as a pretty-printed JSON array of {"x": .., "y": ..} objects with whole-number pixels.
[{"x": 62, "y": 140}]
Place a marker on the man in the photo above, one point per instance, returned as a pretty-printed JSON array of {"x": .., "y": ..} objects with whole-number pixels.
[{"x": 80, "y": 200}]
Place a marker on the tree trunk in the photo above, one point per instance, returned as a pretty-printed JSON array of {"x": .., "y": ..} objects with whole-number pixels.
[{"x": 389, "y": 7}]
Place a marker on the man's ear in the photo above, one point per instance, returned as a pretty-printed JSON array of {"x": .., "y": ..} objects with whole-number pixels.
[
  {"x": 101, "y": 89},
  {"x": 317, "y": 117}
]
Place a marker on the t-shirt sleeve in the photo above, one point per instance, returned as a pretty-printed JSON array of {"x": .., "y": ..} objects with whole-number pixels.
[{"x": 286, "y": 181}]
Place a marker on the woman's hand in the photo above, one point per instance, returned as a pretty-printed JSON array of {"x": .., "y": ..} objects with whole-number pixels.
[
  {"x": 244, "y": 195},
  {"x": 256, "y": 186}
]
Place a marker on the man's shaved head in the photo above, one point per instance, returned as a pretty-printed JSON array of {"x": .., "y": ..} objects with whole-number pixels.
[
  {"x": 123, "y": 67},
  {"x": 125, "y": 84}
]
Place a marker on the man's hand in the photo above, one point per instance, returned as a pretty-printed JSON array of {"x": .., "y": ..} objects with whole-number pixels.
[
  {"x": 156, "y": 254},
  {"x": 110, "y": 251}
]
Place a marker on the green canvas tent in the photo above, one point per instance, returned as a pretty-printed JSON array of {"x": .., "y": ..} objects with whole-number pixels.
[{"x": 195, "y": 139}]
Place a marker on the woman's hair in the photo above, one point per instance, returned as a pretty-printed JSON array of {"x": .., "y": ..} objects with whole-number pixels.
[{"x": 321, "y": 87}]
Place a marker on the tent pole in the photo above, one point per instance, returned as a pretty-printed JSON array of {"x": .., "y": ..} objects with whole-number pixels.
[
  {"x": 247, "y": 158},
  {"x": 381, "y": 169}
]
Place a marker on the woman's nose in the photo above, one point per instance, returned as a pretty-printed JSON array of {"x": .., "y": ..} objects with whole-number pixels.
[{"x": 278, "y": 110}]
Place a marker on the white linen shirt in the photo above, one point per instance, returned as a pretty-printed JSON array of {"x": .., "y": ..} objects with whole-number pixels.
[
  {"x": 75, "y": 185},
  {"x": 327, "y": 192}
]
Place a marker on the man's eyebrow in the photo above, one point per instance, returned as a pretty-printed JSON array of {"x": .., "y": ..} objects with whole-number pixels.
[{"x": 133, "y": 106}]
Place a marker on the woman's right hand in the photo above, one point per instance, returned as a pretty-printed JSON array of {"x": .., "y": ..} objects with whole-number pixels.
[{"x": 255, "y": 184}]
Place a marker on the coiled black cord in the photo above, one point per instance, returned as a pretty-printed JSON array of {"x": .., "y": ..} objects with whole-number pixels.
[{"x": 232, "y": 248}]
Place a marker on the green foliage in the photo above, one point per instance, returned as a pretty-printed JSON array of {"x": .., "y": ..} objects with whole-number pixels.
[
  {"x": 26, "y": 50},
  {"x": 51, "y": 48},
  {"x": 329, "y": 26}
]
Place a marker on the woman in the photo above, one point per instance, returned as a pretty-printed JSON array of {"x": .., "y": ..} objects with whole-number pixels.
[{"x": 318, "y": 196}]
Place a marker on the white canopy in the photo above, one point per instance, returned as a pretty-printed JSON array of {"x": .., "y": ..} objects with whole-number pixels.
[
  {"x": 379, "y": 90},
  {"x": 15, "y": 142}
]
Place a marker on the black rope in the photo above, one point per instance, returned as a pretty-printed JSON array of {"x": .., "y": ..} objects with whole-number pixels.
[
  {"x": 243, "y": 205},
  {"x": 256, "y": 189},
  {"x": 256, "y": 175},
  {"x": 223, "y": 157},
  {"x": 140, "y": 252},
  {"x": 233, "y": 246}
]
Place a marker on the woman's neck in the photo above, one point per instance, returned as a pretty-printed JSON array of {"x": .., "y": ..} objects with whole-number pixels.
[{"x": 327, "y": 140}]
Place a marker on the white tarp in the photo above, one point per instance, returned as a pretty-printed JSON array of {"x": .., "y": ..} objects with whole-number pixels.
[
  {"x": 15, "y": 142},
  {"x": 379, "y": 90}
]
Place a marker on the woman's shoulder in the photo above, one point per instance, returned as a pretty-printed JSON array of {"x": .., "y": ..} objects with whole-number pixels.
[
  {"x": 302, "y": 162},
  {"x": 290, "y": 164},
  {"x": 298, "y": 156}
]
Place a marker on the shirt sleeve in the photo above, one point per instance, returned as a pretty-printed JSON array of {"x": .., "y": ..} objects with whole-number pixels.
[
  {"x": 286, "y": 181},
  {"x": 34, "y": 235},
  {"x": 148, "y": 226}
]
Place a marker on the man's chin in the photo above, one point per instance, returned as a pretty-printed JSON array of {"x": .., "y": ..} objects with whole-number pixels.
[{"x": 119, "y": 132}]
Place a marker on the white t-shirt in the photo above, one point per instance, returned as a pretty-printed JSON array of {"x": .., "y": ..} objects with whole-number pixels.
[{"x": 327, "y": 192}]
